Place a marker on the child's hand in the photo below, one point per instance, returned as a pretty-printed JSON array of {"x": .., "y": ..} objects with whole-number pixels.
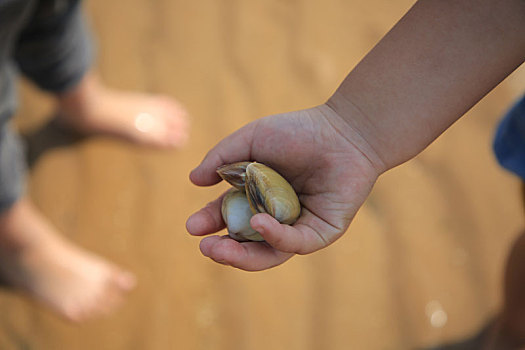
[{"x": 323, "y": 159}]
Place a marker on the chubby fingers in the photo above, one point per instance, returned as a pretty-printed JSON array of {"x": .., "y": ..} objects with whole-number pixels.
[
  {"x": 207, "y": 220},
  {"x": 300, "y": 238},
  {"x": 248, "y": 256}
]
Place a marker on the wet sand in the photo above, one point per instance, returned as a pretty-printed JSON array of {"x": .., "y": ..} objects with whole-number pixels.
[{"x": 421, "y": 265}]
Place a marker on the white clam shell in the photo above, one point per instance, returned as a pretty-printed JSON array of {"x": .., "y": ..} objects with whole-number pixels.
[{"x": 236, "y": 213}]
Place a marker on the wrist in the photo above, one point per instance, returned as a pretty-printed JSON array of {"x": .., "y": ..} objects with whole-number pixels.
[
  {"x": 356, "y": 128},
  {"x": 389, "y": 137}
]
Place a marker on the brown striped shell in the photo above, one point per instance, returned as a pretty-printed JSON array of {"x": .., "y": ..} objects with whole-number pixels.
[{"x": 266, "y": 191}]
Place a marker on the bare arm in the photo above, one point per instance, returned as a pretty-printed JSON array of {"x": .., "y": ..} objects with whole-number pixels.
[
  {"x": 439, "y": 60},
  {"x": 433, "y": 66}
]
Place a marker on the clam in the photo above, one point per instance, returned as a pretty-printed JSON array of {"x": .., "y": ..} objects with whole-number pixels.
[
  {"x": 236, "y": 213},
  {"x": 234, "y": 174},
  {"x": 268, "y": 192},
  {"x": 258, "y": 189}
]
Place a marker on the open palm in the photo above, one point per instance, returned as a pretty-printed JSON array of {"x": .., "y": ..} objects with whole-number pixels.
[{"x": 322, "y": 158}]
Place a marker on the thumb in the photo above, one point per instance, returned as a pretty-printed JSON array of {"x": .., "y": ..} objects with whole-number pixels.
[{"x": 234, "y": 148}]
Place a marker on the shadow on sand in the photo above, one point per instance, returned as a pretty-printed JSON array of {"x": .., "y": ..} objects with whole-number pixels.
[
  {"x": 49, "y": 136},
  {"x": 476, "y": 342},
  {"x": 508, "y": 331}
]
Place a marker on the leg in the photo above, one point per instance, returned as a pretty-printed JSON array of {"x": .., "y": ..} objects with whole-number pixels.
[
  {"x": 509, "y": 330},
  {"x": 36, "y": 260},
  {"x": 54, "y": 51},
  {"x": 152, "y": 120}
]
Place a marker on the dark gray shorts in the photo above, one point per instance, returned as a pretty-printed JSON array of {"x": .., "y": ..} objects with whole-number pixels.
[
  {"x": 12, "y": 167},
  {"x": 48, "y": 42}
]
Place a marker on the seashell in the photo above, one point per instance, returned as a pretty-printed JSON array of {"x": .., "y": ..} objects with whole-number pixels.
[
  {"x": 236, "y": 213},
  {"x": 268, "y": 192},
  {"x": 258, "y": 189},
  {"x": 234, "y": 174}
]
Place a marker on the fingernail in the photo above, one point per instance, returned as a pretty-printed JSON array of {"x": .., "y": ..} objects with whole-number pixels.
[
  {"x": 194, "y": 169},
  {"x": 256, "y": 224}
]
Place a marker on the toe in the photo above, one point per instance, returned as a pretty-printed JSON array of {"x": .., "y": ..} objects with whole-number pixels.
[
  {"x": 73, "y": 312},
  {"x": 124, "y": 280}
]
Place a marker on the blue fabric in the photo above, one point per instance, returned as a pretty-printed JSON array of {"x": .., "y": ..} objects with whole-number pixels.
[{"x": 509, "y": 142}]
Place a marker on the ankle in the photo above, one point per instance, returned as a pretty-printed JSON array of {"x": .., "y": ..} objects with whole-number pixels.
[
  {"x": 20, "y": 226},
  {"x": 10, "y": 241},
  {"x": 78, "y": 102}
]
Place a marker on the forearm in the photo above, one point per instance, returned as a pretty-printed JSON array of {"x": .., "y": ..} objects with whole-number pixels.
[{"x": 434, "y": 65}]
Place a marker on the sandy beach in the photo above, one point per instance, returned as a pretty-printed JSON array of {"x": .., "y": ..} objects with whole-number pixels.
[{"x": 420, "y": 266}]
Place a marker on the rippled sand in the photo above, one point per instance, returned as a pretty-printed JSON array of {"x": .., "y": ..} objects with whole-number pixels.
[{"x": 421, "y": 265}]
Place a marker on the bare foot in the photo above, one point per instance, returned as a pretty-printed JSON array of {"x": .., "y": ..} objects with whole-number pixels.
[
  {"x": 152, "y": 120},
  {"x": 74, "y": 283}
]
